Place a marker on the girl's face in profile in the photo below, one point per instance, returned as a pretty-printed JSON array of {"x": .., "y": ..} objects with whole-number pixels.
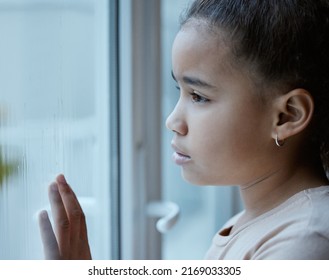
[{"x": 222, "y": 132}]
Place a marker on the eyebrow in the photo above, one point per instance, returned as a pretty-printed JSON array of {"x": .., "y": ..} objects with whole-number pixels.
[{"x": 194, "y": 81}]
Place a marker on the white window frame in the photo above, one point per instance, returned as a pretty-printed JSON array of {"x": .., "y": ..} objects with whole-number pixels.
[{"x": 140, "y": 132}]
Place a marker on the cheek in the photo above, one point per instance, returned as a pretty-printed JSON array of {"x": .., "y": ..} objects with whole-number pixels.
[
  {"x": 226, "y": 137},
  {"x": 210, "y": 137}
]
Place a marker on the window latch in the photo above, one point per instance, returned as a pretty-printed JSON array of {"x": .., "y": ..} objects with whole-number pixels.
[{"x": 168, "y": 212}]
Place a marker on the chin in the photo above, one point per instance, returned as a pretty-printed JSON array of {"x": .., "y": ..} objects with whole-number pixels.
[{"x": 196, "y": 180}]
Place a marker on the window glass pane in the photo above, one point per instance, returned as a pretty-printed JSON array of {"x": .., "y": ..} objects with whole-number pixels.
[
  {"x": 54, "y": 117},
  {"x": 203, "y": 209}
]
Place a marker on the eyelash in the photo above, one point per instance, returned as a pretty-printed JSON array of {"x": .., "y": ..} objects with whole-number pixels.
[{"x": 196, "y": 98}]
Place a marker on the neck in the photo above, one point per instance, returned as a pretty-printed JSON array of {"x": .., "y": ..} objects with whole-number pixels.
[{"x": 274, "y": 187}]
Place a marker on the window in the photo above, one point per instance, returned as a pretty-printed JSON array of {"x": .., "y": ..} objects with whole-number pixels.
[
  {"x": 55, "y": 95},
  {"x": 85, "y": 88}
]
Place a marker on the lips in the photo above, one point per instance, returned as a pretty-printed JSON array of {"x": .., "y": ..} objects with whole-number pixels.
[{"x": 179, "y": 157}]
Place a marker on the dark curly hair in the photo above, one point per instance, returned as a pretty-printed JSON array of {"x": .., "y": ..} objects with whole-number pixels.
[{"x": 285, "y": 41}]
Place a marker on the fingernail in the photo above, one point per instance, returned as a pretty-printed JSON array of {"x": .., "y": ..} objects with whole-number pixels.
[
  {"x": 43, "y": 214},
  {"x": 54, "y": 187},
  {"x": 61, "y": 179}
]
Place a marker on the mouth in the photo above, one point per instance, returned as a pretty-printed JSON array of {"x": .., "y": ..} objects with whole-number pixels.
[{"x": 179, "y": 157}]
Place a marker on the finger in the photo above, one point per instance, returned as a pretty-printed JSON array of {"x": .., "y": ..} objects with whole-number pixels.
[
  {"x": 48, "y": 237},
  {"x": 83, "y": 230},
  {"x": 74, "y": 214},
  {"x": 83, "y": 224},
  {"x": 62, "y": 224}
]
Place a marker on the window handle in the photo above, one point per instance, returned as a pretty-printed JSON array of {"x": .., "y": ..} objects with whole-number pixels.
[{"x": 168, "y": 212}]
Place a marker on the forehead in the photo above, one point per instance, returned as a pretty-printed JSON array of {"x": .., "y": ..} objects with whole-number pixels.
[
  {"x": 199, "y": 47},
  {"x": 204, "y": 54}
]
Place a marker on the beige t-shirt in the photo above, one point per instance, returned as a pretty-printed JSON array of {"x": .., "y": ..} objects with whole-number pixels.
[{"x": 297, "y": 229}]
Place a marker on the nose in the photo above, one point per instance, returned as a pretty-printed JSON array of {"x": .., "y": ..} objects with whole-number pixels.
[{"x": 176, "y": 121}]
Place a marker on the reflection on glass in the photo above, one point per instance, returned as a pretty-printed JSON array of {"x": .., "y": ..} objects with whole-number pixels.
[{"x": 53, "y": 117}]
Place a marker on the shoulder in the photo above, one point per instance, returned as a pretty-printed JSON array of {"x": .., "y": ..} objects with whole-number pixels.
[
  {"x": 303, "y": 229},
  {"x": 307, "y": 246},
  {"x": 297, "y": 229}
]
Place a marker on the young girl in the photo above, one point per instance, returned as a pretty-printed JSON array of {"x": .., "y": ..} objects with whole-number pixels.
[{"x": 253, "y": 79}]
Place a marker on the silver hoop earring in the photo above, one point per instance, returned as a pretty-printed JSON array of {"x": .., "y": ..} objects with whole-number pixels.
[{"x": 278, "y": 142}]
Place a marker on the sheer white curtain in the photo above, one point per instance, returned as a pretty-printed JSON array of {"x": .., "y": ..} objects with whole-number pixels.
[{"x": 54, "y": 111}]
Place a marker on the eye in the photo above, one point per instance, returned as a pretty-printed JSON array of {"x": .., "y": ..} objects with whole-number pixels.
[{"x": 198, "y": 98}]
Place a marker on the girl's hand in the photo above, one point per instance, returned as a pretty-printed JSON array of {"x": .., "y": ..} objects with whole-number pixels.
[{"x": 70, "y": 240}]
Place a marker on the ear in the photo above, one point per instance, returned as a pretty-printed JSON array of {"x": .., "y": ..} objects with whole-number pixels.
[{"x": 293, "y": 113}]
